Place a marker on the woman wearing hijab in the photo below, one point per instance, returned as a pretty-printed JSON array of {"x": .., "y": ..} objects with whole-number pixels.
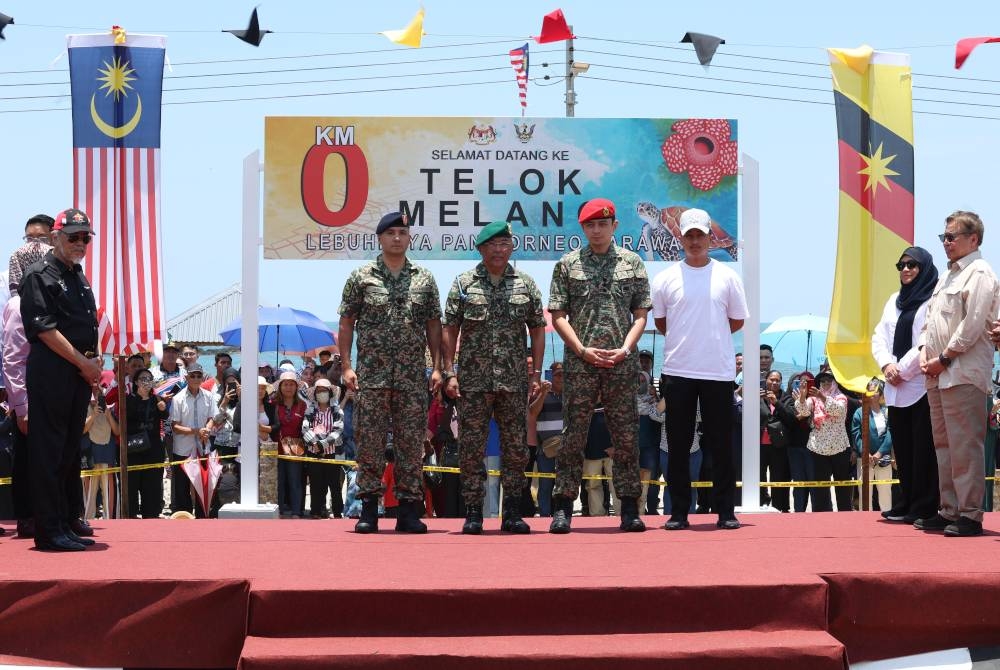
[{"x": 894, "y": 346}]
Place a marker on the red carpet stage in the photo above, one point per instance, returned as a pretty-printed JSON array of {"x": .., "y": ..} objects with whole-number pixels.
[{"x": 785, "y": 591}]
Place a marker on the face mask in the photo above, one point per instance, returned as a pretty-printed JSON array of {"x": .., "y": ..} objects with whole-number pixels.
[{"x": 322, "y": 397}]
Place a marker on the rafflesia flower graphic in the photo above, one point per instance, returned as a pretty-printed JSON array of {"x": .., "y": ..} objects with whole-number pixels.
[{"x": 702, "y": 148}]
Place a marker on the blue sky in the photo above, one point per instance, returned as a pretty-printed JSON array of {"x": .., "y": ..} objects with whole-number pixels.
[{"x": 774, "y": 46}]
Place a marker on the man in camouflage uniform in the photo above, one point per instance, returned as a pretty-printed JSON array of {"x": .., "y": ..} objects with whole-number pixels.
[
  {"x": 599, "y": 298},
  {"x": 490, "y": 306},
  {"x": 396, "y": 309}
]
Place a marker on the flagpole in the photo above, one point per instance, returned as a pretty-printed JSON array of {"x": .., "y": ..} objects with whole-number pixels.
[{"x": 123, "y": 511}]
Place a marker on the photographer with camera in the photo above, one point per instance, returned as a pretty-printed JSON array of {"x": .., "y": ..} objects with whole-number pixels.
[
  {"x": 227, "y": 440},
  {"x": 99, "y": 428},
  {"x": 144, "y": 412}
]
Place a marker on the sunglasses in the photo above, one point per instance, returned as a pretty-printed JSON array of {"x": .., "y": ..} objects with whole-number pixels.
[
  {"x": 195, "y": 375},
  {"x": 79, "y": 237},
  {"x": 909, "y": 265},
  {"x": 951, "y": 237}
]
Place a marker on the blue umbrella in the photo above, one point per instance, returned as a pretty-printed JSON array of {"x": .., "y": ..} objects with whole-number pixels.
[
  {"x": 283, "y": 329},
  {"x": 799, "y": 340}
]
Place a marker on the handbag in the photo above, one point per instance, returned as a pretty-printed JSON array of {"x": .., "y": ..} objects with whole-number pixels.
[
  {"x": 777, "y": 432},
  {"x": 449, "y": 445},
  {"x": 138, "y": 442},
  {"x": 293, "y": 446},
  {"x": 433, "y": 478}
]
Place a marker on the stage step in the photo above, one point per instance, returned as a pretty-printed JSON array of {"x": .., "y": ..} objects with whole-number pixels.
[
  {"x": 796, "y": 602},
  {"x": 716, "y": 650}
]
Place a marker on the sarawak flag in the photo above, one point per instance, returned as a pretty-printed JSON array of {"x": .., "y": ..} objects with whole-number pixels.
[
  {"x": 872, "y": 92},
  {"x": 116, "y": 91}
]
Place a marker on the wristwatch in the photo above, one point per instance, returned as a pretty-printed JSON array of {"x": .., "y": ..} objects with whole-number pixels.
[{"x": 944, "y": 360}]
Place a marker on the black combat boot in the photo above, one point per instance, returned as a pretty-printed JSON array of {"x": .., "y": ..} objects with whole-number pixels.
[
  {"x": 631, "y": 523},
  {"x": 408, "y": 518},
  {"x": 368, "y": 522},
  {"x": 473, "y": 520},
  {"x": 562, "y": 515},
  {"x": 512, "y": 521}
]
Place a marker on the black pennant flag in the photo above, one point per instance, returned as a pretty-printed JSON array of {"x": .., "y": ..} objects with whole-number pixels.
[
  {"x": 4, "y": 22},
  {"x": 704, "y": 45},
  {"x": 253, "y": 34}
]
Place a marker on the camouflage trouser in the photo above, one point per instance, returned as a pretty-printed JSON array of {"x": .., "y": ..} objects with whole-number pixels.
[
  {"x": 475, "y": 410},
  {"x": 407, "y": 410},
  {"x": 618, "y": 393}
]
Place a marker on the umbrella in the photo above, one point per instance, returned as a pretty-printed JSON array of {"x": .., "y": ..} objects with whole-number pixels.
[
  {"x": 204, "y": 474},
  {"x": 283, "y": 329},
  {"x": 799, "y": 340}
]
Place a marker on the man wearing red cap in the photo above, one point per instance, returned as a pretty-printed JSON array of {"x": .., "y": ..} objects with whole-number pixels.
[
  {"x": 59, "y": 315},
  {"x": 598, "y": 299}
]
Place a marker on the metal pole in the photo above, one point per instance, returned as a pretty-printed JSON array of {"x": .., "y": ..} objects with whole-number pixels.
[
  {"x": 866, "y": 503},
  {"x": 249, "y": 344},
  {"x": 570, "y": 93},
  {"x": 123, "y": 511},
  {"x": 750, "y": 260}
]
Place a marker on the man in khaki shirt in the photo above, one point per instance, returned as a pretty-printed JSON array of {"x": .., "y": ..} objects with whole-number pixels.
[{"x": 956, "y": 354}]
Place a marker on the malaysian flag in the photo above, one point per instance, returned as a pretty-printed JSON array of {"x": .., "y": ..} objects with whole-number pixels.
[
  {"x": 116, "y": 91},
  {"x": 519, "y": 61}
]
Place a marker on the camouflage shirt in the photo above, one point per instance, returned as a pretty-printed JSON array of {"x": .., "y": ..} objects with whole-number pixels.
[
  {"x": 492, "y": 321},
  {"x": 391, "y": 319},
  {"x": 598, "y": 294}
]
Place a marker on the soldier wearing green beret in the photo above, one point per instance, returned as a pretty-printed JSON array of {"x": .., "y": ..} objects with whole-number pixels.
[
  {"x": 394, "y": 306},
  {"x": 599, "y": 298},
  {"x": 490, "y": 307}
]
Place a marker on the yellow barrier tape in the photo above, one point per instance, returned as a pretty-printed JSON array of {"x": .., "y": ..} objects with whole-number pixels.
[
  {"x": 273, "y": 453},
  {"x": 95, "y": 472}
]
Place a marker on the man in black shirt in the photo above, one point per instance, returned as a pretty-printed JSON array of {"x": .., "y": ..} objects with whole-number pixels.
[{"x": 58, "y": 310}]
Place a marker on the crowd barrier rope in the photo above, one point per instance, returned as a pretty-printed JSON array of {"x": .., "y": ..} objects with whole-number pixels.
[{"x": 272, "y": 453}]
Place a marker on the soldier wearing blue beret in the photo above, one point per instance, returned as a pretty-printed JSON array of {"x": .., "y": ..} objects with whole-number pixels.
[{"x": 394, "y": 306}]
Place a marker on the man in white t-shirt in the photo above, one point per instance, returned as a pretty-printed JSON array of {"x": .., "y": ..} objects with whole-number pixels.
[{"x": 697, "y": 304}]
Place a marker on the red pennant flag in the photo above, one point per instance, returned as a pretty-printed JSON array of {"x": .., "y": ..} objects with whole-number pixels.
[
  {"x": 966, "y": 45},
  {"x": 554, "y": 28}
]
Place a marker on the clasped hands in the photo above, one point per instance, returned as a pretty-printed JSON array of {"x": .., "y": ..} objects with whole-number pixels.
[{"x": 603, "y": 358}]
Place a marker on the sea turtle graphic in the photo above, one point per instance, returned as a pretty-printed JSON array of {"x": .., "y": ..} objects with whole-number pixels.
[{"x": 663, "y": 233}]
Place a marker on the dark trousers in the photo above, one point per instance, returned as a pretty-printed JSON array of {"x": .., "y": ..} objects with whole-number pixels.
[
  {"x": 447, "y": 497},
  {"x": 800, "y": 464},
  {"x": 59, "y": 399},
  {"x": 21, "y": 477},
  {"x": 837, "y": 466},
  {"x": 682, "y": 396},
  {"x": 774, "y": 459},
  {"x": 916, "y": 462},
  {"x": 145, "y": 487},
  {"x": 323, "y": 478},
  {"x": 290, "y": 490}
]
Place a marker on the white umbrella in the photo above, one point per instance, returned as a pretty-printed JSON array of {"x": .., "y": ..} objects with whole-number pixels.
[{"x": 800, "y": 340}]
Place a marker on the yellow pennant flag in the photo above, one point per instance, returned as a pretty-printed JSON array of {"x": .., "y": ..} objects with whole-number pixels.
[
  {"x": 410, "y": 35},
  {"x": 873, "y": 96}
]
